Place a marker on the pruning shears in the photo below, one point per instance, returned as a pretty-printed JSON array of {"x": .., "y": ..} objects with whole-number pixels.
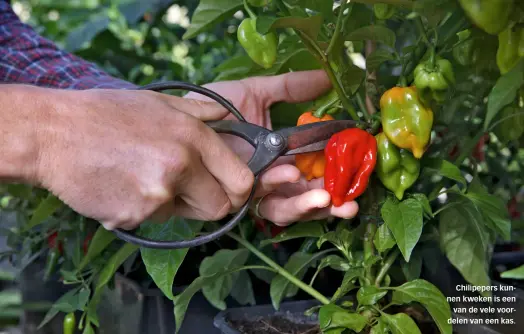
[{"x": 269, "y": 146}]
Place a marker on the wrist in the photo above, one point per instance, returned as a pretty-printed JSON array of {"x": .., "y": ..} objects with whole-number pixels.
[{"x": 22, "y": 118}]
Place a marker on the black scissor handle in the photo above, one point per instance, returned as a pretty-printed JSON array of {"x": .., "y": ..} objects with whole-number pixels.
[{"x": 265, "y": 154}]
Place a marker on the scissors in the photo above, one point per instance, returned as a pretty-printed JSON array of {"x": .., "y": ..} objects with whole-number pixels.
[{"x": 269, "y": 146}]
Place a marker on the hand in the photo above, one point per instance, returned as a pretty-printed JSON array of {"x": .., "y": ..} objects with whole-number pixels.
[
  {"x": 287, "y": 197},
  {"x": 121, "y": 157}
]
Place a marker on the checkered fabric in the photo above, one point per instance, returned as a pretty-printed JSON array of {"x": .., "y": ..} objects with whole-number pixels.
[{"x": 28, "y": 58}]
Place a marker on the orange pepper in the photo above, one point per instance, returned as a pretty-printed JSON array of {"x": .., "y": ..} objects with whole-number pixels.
[{"x": 311, "y": 165}]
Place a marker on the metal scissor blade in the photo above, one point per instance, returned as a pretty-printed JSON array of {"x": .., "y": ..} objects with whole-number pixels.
[
  {"x": 318, "y": 146},
  {"x": 305, "y": 135}
]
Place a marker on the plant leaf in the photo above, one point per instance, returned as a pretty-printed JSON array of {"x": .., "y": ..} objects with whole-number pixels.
[
  {"x": 209, "y": 13},
  {"x": 374, "y": 60},
  {"x": 400, "y": 323},
  {"x": 71, "y": 301},
  {"x": 308, "y": 25},
  {"x": 333, "y": 317},
  {"x": 380, "y": 327},
  {"x": 444, "y": 168},
  {"x": 370, "y": 295},
  {"x": 162, "y": 264},
  {"x": 423, "y": 199},
  {"x": 44, "y": 210},
  {"x": 383, "y": 239},
  {"x": 405, "y": 220},
  {"x": 517, "y": 273},
  {"x": 334, "y": 262},
  {"x": 347, "y": 283},
  {"x": 504, "y": 92},
  {"x": 373, "y": 33},
  {"x": 312, "y": 229},
  {"x": 413, "y": 268},
  {"x": 430, "y": 297},
  {"x": 101, "y": 239},
  {"x": 242, "y": 290}
]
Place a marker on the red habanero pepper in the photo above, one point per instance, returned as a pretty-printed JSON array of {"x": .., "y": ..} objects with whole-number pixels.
[
  {"x": 351, "y": 156},
  {"x": 513, "y": 209},
  {"x": 52, "y": 242},
  {"x": 85, "y": 245}
]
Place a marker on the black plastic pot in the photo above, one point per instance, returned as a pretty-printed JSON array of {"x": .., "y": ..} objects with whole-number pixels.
[{"x": 294, "y": 312}]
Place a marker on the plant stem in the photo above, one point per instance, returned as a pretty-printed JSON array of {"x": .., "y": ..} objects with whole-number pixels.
[
  {"x": 420, "y": 26},
  {"x": 338, "y": 27},
  {"x": 363, "y": 106},
  {"x": 369, "y": 247},
  {"x": 320, "y": 112},
  {"x": 249, "y": 11},
  {"x": 385, "y": 268},
  {"x": 279, "y": 270}
]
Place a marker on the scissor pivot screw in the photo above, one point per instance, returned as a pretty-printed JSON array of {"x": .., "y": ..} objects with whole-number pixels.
[{"x": 275, "y": 140}]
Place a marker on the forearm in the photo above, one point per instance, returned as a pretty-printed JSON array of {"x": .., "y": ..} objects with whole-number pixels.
[{"x": 23, "y": 113}]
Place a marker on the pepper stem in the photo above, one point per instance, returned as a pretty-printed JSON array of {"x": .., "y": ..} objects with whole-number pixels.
[
  {"x": 249, "y": 11},
  {"x": 322, "y": 110}
]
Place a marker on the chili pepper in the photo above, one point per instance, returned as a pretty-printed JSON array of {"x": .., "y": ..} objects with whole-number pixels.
[
  {"x": 434, "y": 80},
  {"x": 513, "y": 209},
  {"x": 69, "y": 323},
  {"x": 396, "y": 168},
  {"x": 261, "y": 48},
  {"x": 351, "y": 156},
  {"x": 405, "y": 120},
  {"x": 467, "y": 52},
  {"x": 511, "y": 48},
  {"x": 511, "y": 126},
  {"x": 52, "y": 242},
  {"x": 383, "y": 11},
  {"x": 311, "y": 165},
  {"x": 479, "y": 151},
  {"x": 52, "y": 259},
  {"x": 274, "y": 230},
  {"x": 492, "y": 16},
  {"x": 85, "y": 245}
]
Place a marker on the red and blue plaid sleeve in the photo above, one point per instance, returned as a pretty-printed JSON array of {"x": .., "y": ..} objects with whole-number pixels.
[{"x": 28, "y": 58}]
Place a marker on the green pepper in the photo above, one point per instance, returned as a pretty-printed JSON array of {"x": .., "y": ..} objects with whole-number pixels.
[
  {"x": 510, "y": 128},
  {"x": 52, "y": 260},
  {"x": 492, "y": 16},
  {"x": 434, "y": 80},
  {"x": 467, "y": 52},
  {"x": 396, "y": 168},
  {"x": 69, "y": 323},
  {"x": 511, "y": 48},
  {"x": 383, "y": 11},
  {"x": 261, "y": 48}
]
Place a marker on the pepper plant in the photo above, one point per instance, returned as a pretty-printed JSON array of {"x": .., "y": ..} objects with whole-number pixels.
[{"x": 436, "y": 165}]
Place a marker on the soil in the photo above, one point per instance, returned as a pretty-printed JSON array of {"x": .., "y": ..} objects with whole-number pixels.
[{"x": 273, "y": 325}]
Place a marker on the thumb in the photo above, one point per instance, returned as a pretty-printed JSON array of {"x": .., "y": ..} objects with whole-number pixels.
[{"x": 203, "y": 110}]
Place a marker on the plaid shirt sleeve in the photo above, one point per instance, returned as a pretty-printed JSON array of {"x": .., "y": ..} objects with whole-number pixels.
[{"x": 28, "y": 58}]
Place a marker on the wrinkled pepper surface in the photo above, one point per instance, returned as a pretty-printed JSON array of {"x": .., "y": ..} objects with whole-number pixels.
[
  {"x": 433, "y": 81},
  {"x": 262, "y": 49},
  {"x": 396, "y": 168},
  {"x": 351, "y": 156},
  {"x": 406, "y": 121},
  {"x": 467, "y": 52},
  {"x": 511, "y": 48},
  {"x": 511, "y": 126},
  {"x": 383, "y": 11},
  {"x": 492, "y": 16},
  {"x": 311, "y": 165}
]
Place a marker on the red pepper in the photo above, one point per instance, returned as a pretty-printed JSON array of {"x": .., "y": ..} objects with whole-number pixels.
[
  {"x": 479, "y": 153},
  {"x": 85, "y": 245},
  {"x": 51, "y": 242},
  {"x": 513, "y": 209},
  {"x": 260, "y": 225},
  {"x": 351, "y": 156}
]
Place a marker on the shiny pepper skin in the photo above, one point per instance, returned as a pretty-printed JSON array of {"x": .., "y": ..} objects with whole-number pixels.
[
  {"x": 262, "y": 49},
  {"x": 383, "y": 11},
  {"x": 351, "y": 156},
  {"x": 433, "y": 82},
  {"x": 311, "y": 165},
  {"x": 405, "y": 120},
  {"x": 396, "y": 168},
  {"x": 492, "y": 16},
  {"x": 69, "y": 323},
  {"x": 511, "y": 48}
]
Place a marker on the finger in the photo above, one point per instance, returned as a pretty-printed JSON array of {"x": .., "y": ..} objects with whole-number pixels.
[
  {"x": 284, "y": 211},
  {"x": 275, "y": 177},
  {"x": 346, "y": 211},
  {"x": 292, "y": 87},
  {"x": 203, "y": 110}
]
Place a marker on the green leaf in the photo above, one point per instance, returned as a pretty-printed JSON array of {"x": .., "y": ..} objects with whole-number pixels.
[
  {"x": 163, "y": 264},
  {"x": 405, "y": 220},
  {"x": 341, "y": 239},
  {"x": 71, "y": 301},
  {"x": 234, "y": 68},
  {"x": 297, "y": 265},
  {"x": 370, "y": 295},
  {"x": 88, "y": 329},
  {"x": 101, "y": 239},
  {"x": 312, "y": 229},
  {"x": 380, "y": 327},
  {"x": 423, "y": 199},
  {"x": 413, "y": 268},
  {"x": 383, "y": 239},
  {"x": 225, "y": 259},
  {"x": 347, "y": 283},
  {"x": 181, "y": 301},
  {"x": 504, "y": 92},
  {"x": 374, "y": 60},
  {"x": 325, "y": 7},
  {"x": 308, "y": 25},
  {"x": 400, "y": 323},
  {"x": 332, "y": 317},
  {"x": 517, "y": 273},
  {"x": 209, "y": 13},
  {"x": 242, "y": 290},
  {"x": 444, "y": 168},
  {"x": 375, "y": 33},
  {"x": 492, "y": 208},
  {"x": 464, "y": 240},
  {"x": 85, "y": 32},
  {"x": 44, "y": 210},
  {"x": 335, "y": 262},
  {"x": 430, "y": 297}
]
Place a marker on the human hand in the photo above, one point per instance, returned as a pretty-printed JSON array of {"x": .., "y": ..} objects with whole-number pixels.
[
  {"x": 285, "y": 197},
  {"x": 121, "y": 157}
]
